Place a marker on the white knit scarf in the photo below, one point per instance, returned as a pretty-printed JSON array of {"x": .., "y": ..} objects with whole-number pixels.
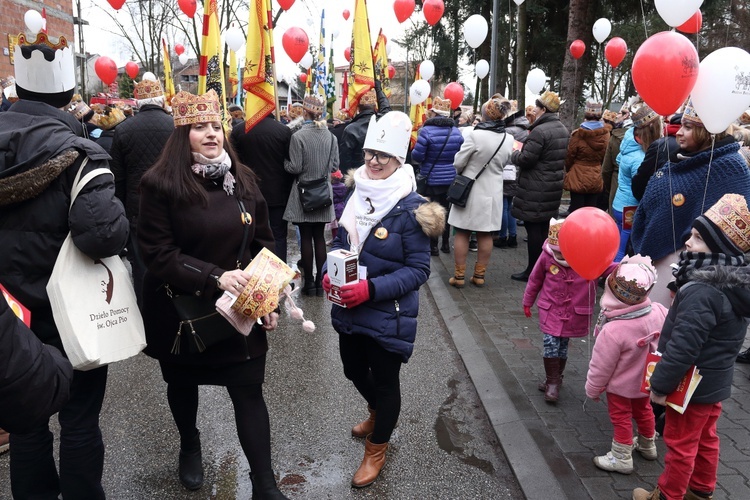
[
  {"x": 371, "y": 200},
  {"x": 213, "y": 168}
]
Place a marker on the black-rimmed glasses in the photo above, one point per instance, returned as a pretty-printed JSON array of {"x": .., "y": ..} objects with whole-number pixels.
[{"x": 381, "y": 157}]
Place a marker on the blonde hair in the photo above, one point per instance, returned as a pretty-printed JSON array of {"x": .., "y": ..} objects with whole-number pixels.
[{"x": 649, "y": 132}]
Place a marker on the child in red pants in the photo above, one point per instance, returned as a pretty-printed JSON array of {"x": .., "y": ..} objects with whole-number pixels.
[
  {"x": 627, "y": 330},
  {"x": 705, "y": 327}
]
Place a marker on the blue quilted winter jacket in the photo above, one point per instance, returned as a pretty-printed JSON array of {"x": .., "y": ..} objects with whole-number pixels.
[{"x": 429, "y": 142}]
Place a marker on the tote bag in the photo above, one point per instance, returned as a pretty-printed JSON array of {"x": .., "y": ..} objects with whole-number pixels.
[{"x": 93, "y": 302}]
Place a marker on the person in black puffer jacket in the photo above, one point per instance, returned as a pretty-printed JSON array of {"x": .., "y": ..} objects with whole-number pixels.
[
  {"x": 541, "y": 164},
  {"x": 705, "y": 328}
]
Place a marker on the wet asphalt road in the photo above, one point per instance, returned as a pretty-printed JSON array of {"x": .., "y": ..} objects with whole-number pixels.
[{"x": 443, "y": 447}]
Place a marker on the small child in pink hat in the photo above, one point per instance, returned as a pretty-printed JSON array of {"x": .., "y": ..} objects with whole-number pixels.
[{"x": 626, "y": 331}]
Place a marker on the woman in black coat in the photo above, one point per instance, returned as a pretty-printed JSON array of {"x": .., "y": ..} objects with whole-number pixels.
[{"x": 190, "y": 233}]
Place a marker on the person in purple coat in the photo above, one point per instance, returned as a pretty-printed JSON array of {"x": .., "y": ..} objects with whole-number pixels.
[{"x": 566, "y": 304}]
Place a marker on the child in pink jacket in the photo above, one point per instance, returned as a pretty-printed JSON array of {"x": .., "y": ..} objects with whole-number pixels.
[
  {"x": 566, "y": 304},
  {"x": 627, "y": 330}
]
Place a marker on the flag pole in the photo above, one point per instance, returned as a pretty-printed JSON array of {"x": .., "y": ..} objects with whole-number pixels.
[{"x": 273, "y": 62}]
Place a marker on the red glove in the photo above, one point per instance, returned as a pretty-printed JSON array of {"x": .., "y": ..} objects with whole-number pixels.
[
  {"x": 527, "y": 311},
  {"x": 326, "y": 283},
  {"x": 355, "y": 294}
]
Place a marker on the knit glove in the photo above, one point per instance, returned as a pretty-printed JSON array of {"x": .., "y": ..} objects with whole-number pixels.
[
  {"x": 326, "y": 283},
  {"x": 355, "y": 294},
  {"x": 527, "y": 311}
]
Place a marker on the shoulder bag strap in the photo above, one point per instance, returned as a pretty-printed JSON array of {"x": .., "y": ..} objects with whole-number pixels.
[
  {"x": 78, "y": 185},
  {"x": 491, "y": 157},
  {"x": 441, "y": 151}
]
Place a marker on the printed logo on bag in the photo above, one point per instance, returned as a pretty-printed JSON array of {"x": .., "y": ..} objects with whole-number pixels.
[
  {"x": 372, "y": 208},
  {"x": 108, "y": 318}
]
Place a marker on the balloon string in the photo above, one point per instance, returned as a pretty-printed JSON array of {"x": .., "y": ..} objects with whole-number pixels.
[{"x": 708, "y": 173}]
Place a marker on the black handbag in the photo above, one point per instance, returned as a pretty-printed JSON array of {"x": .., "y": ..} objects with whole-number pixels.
[
  {"x": 201, "y": 325},
  {"x": 460, "y": 188},
  {"x": 422, "y": 179},
  {"x": 314, "y": 194}
]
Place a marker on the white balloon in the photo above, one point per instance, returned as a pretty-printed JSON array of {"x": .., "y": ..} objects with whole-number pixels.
[
  {"x": 306, "y": 60},
  {"x": 150, "y": 76},
  {"x": 721, "y": 93},
  {"x": 234, "y": 38},
  {"x": 535, "y": 80},
  {"x": 310, "y": 21},
  {"x": 475, "y": 30},
  {"x": 602, "y": 28},
  {"x": 387, "y": 49},
  {"x": 482, "y": 68},
  {"x": 335, "y": 33},
  {"x": 426, "y": 69},
  {"x": 676, "y": 12},
  {"x": 518, "y": 2},
  {"x": 419, "y": 92},
  {"x": 33, "y": 20},
  {"x": 183, "y": 59}
]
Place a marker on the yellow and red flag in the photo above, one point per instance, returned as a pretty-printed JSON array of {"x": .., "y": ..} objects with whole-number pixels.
[
  {"x": 233, "y": 79},
  {"x": 168, "y": 81},
  {"x": 361, "y": 72},
  {"x": 417, "y": 114},
  {"x": 211, "y": 70},
  {"x": 258, "y": 77},
  {"x": 380, "y": 62}
]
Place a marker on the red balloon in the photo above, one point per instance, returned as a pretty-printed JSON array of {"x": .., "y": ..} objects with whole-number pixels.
[
  {"x": 577, "y": 48},
  {"x": 433, "y": 11},
  {"x": 391, "y": 72},
  {"x": 348, "y": 54},
  {"x": 665, "y": 69},
  {"x": 188, "y": 7},
  {"x": 303, "y": 77},
  {"x": 692, "y": 25},
  {"x": 116, "y": 4},
  {"x": 403, "y": 9},
  {"x": 346, "y": 14},
  {"x": 179, "y": 49},
  {"x": 589, "y": 240},
  {"x": 106, "y": 69},
  {"x": 455, "y": 92},
  {"x": 286, "y": 4},
  {"x": 615, "y": 51},
  {"x": 132, "y": 69},
  {"x": 295, "y": 43}
]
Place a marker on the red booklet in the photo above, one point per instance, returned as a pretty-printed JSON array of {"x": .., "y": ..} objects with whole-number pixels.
[
  {"x": 18, "y": 308},
  {"x": 628, "y": 214},
  {"x": 680, "y": 398}
]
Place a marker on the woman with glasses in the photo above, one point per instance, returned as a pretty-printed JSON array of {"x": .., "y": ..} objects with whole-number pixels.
[{"x": 389, "y": 225}]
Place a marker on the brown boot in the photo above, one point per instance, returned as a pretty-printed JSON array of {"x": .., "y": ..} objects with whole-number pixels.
[
  {"x": 641, "y": 494},
  {"x": 459, "y": 278},
  {"x": 691, "y": 495},
  {"x": 371, "y": 465},
  {"x": 366, "y": 427},
  {"x": 552, "y": 369},
  {"x": 478, "y": 278},
  {"x": 4, "y": 441},
  {"x": 543, "y": 384}
]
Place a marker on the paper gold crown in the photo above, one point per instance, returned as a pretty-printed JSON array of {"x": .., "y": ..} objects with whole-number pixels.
[
  {"x": 643, "y": 116},
  {"x": 593, "y": 107},
  {"x": 441, "y": 106},
  {"x": 690, "y": 114},
  {"x": 147, "y": 89},
  {"x": 554, "y": 231},
  {"x": 295, "y": 110},
  {"x": 189, "y": 108},
  {"x": 609, "y": 116},
  {"x": 551, "y": 101},
  {"x": 312, "y": 104},
  {"x": 369, "y": 98},
  {"x": 34, "y": 73},
  {"x": 731, "y": 216},
  {"x": 632, "y": 279},
  {"x": 79, "y": 109},
  {"x": 111, "y": 118}
]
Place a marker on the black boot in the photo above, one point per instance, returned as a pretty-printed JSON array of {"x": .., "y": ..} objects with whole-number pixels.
[
  {"x": 744, "y": 357},
  {"x": 191, "y": 463},
  {"x": 319, "y": 286},
  {"x": 264, "y": 487},
  {"x": 512, "y": 242},
  {"x": 446, "y": 246},
  {"x": 309, "y": 288},
  {"x": 500, "y": 242},
  {"x": 434, "y": 247}
]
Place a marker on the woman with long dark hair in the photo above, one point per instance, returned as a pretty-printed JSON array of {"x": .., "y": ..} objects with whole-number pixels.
[{"x": 199, "y": 209}]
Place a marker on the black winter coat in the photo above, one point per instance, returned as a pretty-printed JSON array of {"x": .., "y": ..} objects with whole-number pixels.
[
  {"x": 264, "y": 149},
  {"x": 706, "y": 326},
  {"x": 541, "y": 165},
  {"x": 137, "y": 143},
  {"x": 34, "y": 378},
  {"x": 39, "y": 158}
]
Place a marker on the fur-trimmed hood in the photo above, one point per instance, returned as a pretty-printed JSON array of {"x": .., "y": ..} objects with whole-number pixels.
[
  {"x": 733, "y": 281},
  {"x": 430, "y": 215}
]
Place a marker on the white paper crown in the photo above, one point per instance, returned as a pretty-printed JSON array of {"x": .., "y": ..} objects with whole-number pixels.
[
  {"x": 37, "y": 74},
  {"x": 390, "y": 134}
]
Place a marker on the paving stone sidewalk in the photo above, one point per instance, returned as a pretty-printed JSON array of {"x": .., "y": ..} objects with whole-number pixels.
[{"x": 551, "y": 447}]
